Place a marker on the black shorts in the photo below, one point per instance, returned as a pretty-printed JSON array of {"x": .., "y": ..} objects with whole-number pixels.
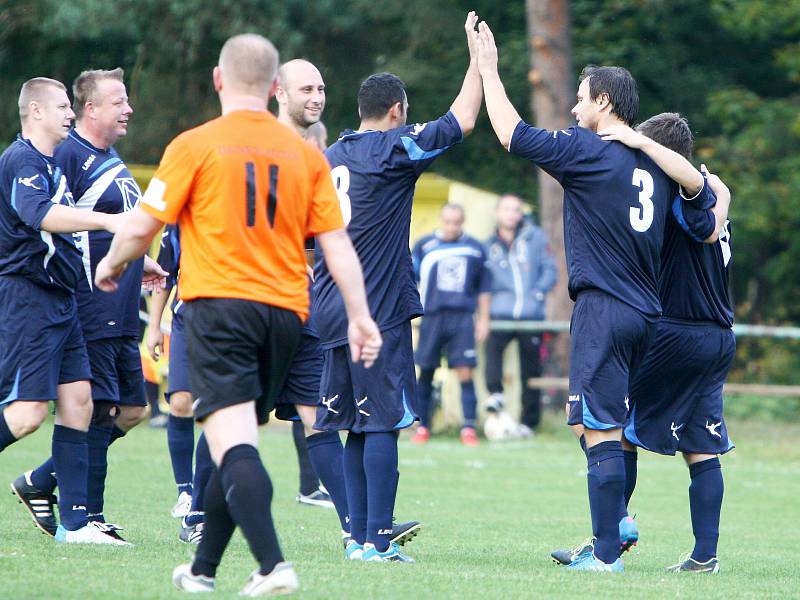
[{"x": 239, "y": 351}]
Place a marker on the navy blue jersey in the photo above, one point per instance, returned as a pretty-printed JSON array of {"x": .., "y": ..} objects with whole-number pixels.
[
  {"x": 693, "y": 284},
  {"x": 101, "y": 182},
  {"x": 375, "y": 173},
  {"x": 169, "y": 259},
  {"x": 30, "y": 183},
  {"x": 616, "y": 203},
  {"x": 451, "y": 274}
]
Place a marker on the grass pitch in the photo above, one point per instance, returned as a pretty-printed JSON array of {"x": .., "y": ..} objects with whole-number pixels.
[{"x": 491, "y": 516}]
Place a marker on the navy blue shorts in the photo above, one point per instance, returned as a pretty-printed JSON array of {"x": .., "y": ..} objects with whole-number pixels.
[
  {"x": 302, "y": 382},
  {"x": 41, "y": 341},
  {"x": 117, "y": 371},
  {"x": 676, "y": 395},
  {"x": 178, "y": 377},
  {"x": 380, "y": 398},
  {"x": 450, "y": 331},
  {"x": 608, "y": 340}
]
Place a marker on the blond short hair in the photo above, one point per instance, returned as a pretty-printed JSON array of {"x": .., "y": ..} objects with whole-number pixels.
[
  {"x": 84, "y": 88},
  {"x": 248, "y": 63},
  {"x": 33, "y": 90}
]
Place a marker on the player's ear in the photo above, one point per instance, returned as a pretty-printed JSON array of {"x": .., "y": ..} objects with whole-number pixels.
[
  {"x": 274, "y": 88},
  {"x": 603, "y": 101},
  {"x": 216, "y": 76}
]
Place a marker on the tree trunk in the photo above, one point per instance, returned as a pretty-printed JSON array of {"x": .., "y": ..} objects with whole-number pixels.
[{"x": 552, "y": 95}]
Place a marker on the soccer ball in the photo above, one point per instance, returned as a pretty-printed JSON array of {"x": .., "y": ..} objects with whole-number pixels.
[{"x": 501, "y": 426}]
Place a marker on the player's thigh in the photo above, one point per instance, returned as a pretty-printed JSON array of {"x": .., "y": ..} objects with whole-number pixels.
[
  {"x": 103, "y": 360},
  {"x": 302, "y": 384},
  {"x": 461, "y": 342},
  {"x": 132, "y": 398},
  {"x": 283, "y": 332},
  {"x": 432, "y": 337},
  {"x": 385, "y": 393}
]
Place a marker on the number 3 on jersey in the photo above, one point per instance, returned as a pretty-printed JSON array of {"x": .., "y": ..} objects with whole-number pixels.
[
  {"x": 642, "y": 216},
  {"x": 341, "y": 181}
]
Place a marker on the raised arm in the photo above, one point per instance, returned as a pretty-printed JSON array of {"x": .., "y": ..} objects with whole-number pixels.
[
  {"x": 673, "y": 164},
  {"x": 720, "y": 209},
  {"x": 467, "y": 104},
  {"x": 502, "y": 114}
]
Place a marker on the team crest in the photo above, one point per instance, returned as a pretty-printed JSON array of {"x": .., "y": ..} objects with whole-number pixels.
[{"x": 129, "y": 189}]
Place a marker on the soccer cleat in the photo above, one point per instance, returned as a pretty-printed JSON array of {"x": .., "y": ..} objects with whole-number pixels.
[
  {"x": 353, "y": 550},
  {"x": 392, "y": 554},
  {"x": 90, "y": 533},
  {"x": 690, "y": 565},
  {"x": 495, "y": 403},
  {"x": 190, "y": 534},
  {"x": 281, "y": 580},
  {"x": 567, "y": 557},
  {"x": 39, "y": 504},
  {"x": 109, "y": 529},
  {"x": 405, "y": 532},
  {"x": 318, "y": 497},
  {"x": 183, "y": 506},
  {"x": 421, "y": 435},
  {"x": 628, "y": 533},
  {"x": 185, "y": 580},
  {"x": 469, "y": 437},
  {"x": 588, "y": 562},
  {"x": 159, "y": 421}
]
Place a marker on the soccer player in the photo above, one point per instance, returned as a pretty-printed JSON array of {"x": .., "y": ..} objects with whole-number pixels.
[
  {"x": 246, "y": 192},
  {"x": 616, "y": 202},
  {"x": 454, "y": 281},
  {"x": 43, "y": 355},
  {"x": 100, "y": 182},
  {"x": 375, "y": 170}
]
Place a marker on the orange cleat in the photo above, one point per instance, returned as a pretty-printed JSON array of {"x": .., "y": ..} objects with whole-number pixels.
[
  {"x": 469, "y": 437},
  {"x": 422, "y": 435}
]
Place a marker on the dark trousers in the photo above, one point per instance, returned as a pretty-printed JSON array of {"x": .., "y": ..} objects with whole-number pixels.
[{"x": 529, "y": 366}]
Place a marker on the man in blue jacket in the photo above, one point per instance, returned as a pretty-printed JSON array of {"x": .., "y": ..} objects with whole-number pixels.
[{"x": 523, "y": 271}]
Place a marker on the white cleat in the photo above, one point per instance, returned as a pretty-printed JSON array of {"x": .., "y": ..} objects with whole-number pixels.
[
  {"x": 183, "y": 506},
  {"x": 282, "y": 580},
  {"x": 88, "y": 534},
  {"x": 185, "y": 581}
]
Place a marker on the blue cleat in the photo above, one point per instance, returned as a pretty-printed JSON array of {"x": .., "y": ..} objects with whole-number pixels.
[
  {"x": 353, "y": 550},
  {"x": 392, "y": 554},
  {"x": 628, "y": 533},
  {"x": 588, "y": 562}
]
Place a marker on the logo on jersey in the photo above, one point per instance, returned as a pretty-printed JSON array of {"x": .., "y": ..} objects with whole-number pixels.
[
  {"x": 28, "y": 182},
  {"x": 675, "y": 430},
  {"x": 451, "y": 274},
  {"x": 88, "y": 162},
  {"x": 359, "y": 404},
  {"x": 131, "y": 194},
  {"x": 418, "y": 128},
  {"x": 712, "y": 429},
  {"x": 328, "y": 403},
  {"x": 627, "y": 403}
]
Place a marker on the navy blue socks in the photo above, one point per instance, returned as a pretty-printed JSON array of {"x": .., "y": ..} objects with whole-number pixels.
[
  {"x": 606, "y": 496},
  {"x": 631, "y": 457},
  {"x": 203, "y": 467},
  {"x": 356, "y": 485},
  {"x": 97, "y": 440},
  {"x": 424, "y": 390},
  {"x": 43, "y": 477},
  {"x": 6, "y": 437},
  {"x": 71, "y": 460},
  {"x": 309, "y": 482},
  {"x": 380, "y": 467},
  {"x": 469, "y": 403},
  {"x": 180, "y": 439},
  {"x": 217, "y": 530},
  {"x": 705, "y": 500},
  {"x": 326, "y": 453}
]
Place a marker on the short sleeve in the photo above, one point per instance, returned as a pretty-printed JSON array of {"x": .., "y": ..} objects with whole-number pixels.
[
  {"x": 325, "y": 214},
  {"x": 170, "y": 187},
  {"x": 422, "y": 143},
  {"x": 31, "y": 195},
  {"x": 168, "y": 256},
  {"x": 557, "y": 152},
  {"x": 697, "y": 223},
  {"x": 702, "y": 200}
]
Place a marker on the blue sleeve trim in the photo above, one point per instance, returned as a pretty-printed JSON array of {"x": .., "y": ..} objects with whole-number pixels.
[
  {"x": 416, "y": 153},
  {"x": 677, "y": 211}
]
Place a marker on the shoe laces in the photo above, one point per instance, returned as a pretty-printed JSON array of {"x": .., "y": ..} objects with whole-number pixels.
[
  {"x": 106, "y": 527},
  {"x": 587, "y": 542}
]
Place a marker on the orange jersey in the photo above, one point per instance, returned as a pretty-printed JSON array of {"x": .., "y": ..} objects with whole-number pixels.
[{"x": 246, "y": 191}]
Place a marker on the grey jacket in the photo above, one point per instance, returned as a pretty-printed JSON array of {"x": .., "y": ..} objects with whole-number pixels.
[{"x": 521, "y": 274}]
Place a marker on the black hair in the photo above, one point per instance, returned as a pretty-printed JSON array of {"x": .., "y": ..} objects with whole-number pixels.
[
  {"x": 670, "y": 130},
  {"x": 378, "y": 93},
  {"x": 619, "y": 85}
]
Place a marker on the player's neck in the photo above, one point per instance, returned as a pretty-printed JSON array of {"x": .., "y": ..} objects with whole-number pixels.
[
  {"x": 93, "y": 137},
  {"x": 608, "y": 120},
  {"x": 40, "y": 140},
  {"x": 234, "y": 102},
  {"x": 384, "y": 124},
  {"x": 287, "y": 120},
  {"x": 507, "y": 234}
]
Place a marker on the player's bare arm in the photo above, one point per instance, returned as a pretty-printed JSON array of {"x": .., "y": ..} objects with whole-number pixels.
[
  {"x": 65, "y": 219},
  {"x": 467, "y": 104},
  {"x": 482, "y": 323},
  {"x": 720, "y": 209},
  {"x": 502, "y": 114},
  {"x": 342, "y": 261},
  {"x": 128, "y": 244},
  {"x": 155, "y": 337},
  {"x": 673, "y": 164}
]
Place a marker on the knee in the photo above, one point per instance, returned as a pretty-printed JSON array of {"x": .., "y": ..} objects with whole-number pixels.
[
  {"x": 180, "y": 404},
  {"x": 464, "y": 374},
  {"x": 103, "y": 414},
  {"x": 130, "y": 416}
]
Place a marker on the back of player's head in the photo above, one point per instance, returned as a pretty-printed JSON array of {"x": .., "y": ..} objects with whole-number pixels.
[
  {"x": 670, "y": 130},
  {"x": 85, "y": 87},
  {"x": 36, "y": 90},
  {"x": 248, "y": 63},
  {"x": 618, "y": 85},
  {"x": 378, "y": 93}
]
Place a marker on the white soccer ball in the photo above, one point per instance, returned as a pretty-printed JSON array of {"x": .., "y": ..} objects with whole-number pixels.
[{"x": 500, "y": 427}]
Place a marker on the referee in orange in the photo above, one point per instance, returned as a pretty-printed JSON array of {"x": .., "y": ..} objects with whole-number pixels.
[{"x": 246, "y": 192}]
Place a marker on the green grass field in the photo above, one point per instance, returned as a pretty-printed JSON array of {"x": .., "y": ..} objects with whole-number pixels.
[{"x": 491, "y": 517}]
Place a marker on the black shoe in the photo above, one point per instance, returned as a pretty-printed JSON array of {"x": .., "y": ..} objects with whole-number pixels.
[
  {"x": 568, "y": 556},
  {"x": 39, "y": 504},
  {"x": 190, "y": 534},
  {"x": 318, "y": 497},
  {"x": 405, "y": 532},
  {"x": 690, "y": 565}
]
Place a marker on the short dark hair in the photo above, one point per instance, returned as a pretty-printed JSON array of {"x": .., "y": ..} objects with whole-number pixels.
[
  {"x": 619, "y": 85},
  {"x": 84, "y": 88},
  {"x": 670, "y": 130},
  {"x": 378, "y": 93}
]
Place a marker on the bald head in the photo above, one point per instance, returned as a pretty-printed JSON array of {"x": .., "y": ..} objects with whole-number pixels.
[
  {"x": 248, "y": 64},
  {"x": 299, "y": 68},
  {"x": 39, "y": 90},
  {"x": 300, "y": 94}
]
